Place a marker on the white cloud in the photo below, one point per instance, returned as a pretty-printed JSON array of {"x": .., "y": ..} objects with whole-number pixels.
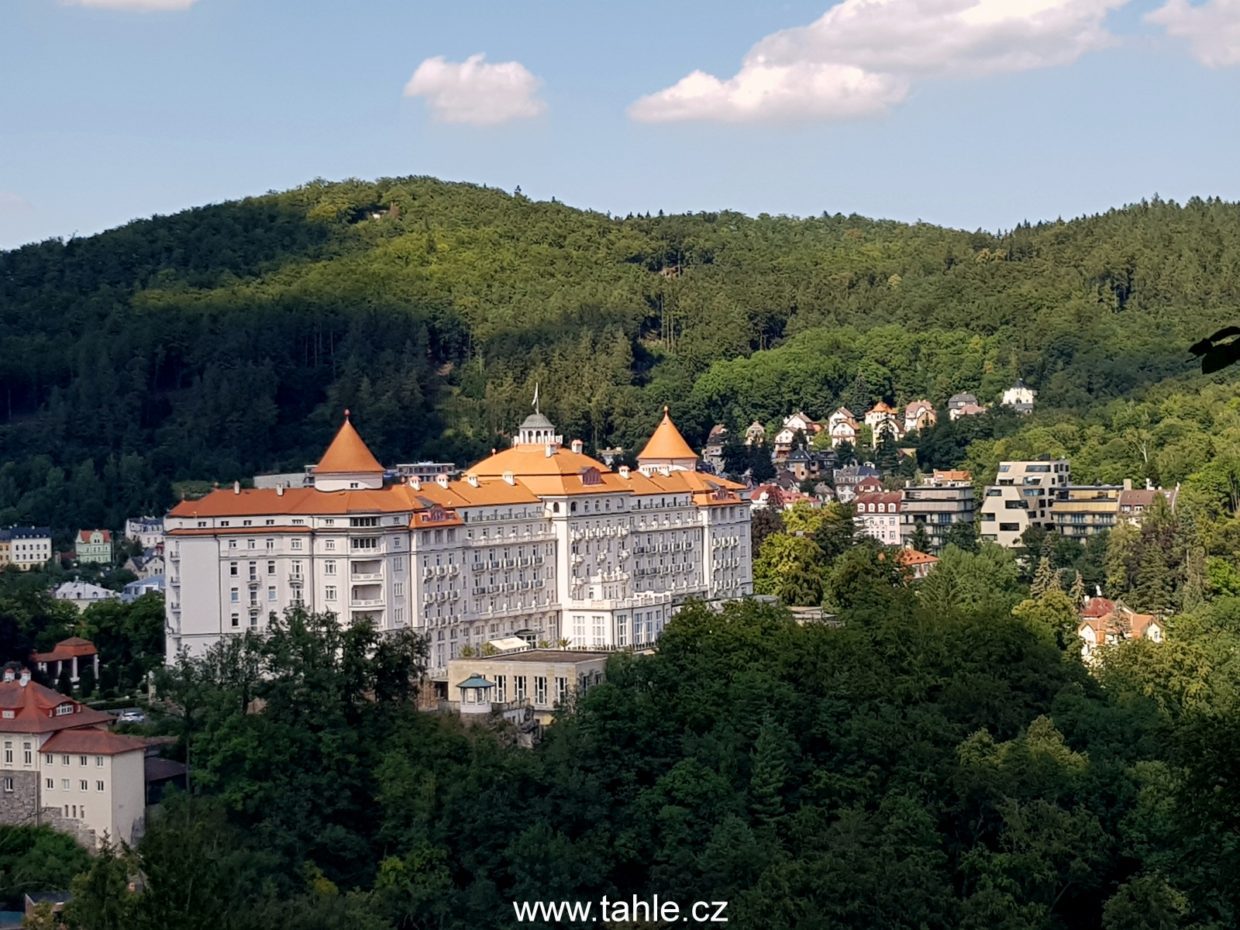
[
  {"x": 863, "y": 56},
  {"x": 1212, "y": 29},
  {"x": 476, "y": 92},
  {"x": 14, "y": 203},
  {"x": 142, "y": 6}
]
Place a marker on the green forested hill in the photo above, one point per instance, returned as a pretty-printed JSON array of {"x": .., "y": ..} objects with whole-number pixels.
[{"x": 226, "y": 339}]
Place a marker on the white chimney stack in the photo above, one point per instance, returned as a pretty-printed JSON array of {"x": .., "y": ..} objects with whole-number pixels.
[
  {"x": 550, "y": 450},
  {"x": 510, "y": 478},
  {"x": 236, "y": 487},
  {"x": 279, "y": 490},
  {"x": 473, "y": 480},
  {"x": 441, "y": 479},
  {"x": 9, "y": 675},
  {"x": 578, "y": 446},
  {"x": 25, "y": 679},
  {"x": 415, "y": 482},
  {"x": 624, "y": 472}
]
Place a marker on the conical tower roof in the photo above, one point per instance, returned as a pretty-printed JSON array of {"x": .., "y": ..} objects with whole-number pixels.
[
  {"x": 666, "y": 443},
  {"x": 348, "y": 454}
]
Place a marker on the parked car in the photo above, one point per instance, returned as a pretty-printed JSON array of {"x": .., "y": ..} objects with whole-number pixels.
[{"x": 132, "y": 715}]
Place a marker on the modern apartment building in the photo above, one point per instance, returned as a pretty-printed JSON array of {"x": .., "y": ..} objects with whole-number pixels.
[
  {"x": 1022, "y": 496},
  {"x": 537, "y": 541},
  {"x": 1080, "y": 511},
  {"x": 937, "y": 504}
]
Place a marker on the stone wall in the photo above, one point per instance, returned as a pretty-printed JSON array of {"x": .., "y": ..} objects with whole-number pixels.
[{"x": 21, "y": 805}]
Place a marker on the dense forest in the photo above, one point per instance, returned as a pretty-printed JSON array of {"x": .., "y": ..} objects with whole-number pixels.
[
  {"x": 225, "y": 340},
  {"x": 938, "y": 761}
]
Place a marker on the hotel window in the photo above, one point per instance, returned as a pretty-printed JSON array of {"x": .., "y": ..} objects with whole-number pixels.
[
  {"x": 271, "y": 568},
  {"x": 398, "y": 589},
  {"x": 330, "y": 592},
  {"x": 48, "y": 758},
  {"x": 81, "y": 760},
  {"x": 236, "y": 620},
  {"x": 232, "y": 544},
  {"x": 51, "y": 784},
  {"x": 540, "y": 689},
  {"x": 83, "y": 785},
  {"x": 98, "y": 786},
  {"x": 64, "y": 784},
  {"x": 232, "y": 569},
  {"x": 329, "y": 567},
  {"x": 271, "y": 544},
  {"x": 64, "y": 760},
  {"x": 234, "y": 596},
  {"x": 501, "y": 688},
  {"x": 296, "y": 543},
  {"x": 99, "y": 761},
  {"x": 521, "y": 685},
  {"x": 330, "y": 545},
  {"x": 561, "y": 689},
  {"x": 8, "y": 785},
  {"x": 28, "y": 754},
  {"x": 8, "y": 752},
  {"x": 271, "y": 593}
]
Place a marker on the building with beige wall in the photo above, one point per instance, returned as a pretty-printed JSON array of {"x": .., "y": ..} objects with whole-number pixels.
[
  {"x": 26, "y": 547},
  {"x": 1080, "y": 511},
  {"x": 1022, "y": 496},
  {"x": 61, "y": 767},
  {"x": 541, "y": 679}
]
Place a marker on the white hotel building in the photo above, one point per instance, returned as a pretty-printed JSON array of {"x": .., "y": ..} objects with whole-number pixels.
[{"x": 538, "y": 541}]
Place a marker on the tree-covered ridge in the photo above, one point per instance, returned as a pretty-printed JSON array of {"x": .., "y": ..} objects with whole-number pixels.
[
  {"x": 935, "y": 762},
  {"x": 225, "y": 339}
]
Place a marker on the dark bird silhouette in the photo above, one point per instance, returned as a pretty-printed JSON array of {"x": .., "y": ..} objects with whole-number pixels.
[{"x": 1216, "y": 355}]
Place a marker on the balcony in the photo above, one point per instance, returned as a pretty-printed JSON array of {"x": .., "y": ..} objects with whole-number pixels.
[
  {"x": 366, "y": 602},
  {"x": 366, "y": 576}
]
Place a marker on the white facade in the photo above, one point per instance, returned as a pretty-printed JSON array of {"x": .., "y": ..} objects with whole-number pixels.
[
  {"x": 878, "y": 516},
  {"x": 148, "y": 531},
  {"x": 537, "y": 541},
  {"x": 25, "y": 546}
]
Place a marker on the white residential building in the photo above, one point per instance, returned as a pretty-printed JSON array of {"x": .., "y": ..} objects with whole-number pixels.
[
  {"x": 147, "y": 531},
  {"x": 878, "y": 515},
  {"x": 537, "y": 541}
]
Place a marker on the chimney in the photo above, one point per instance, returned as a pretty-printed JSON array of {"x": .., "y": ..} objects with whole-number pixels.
[
  {"x": 1127, "y": 484},
  {"x": 236, "y": 487},
  {"x": 473, "y": 480},
  {"x": 441, "y": 479},
  {"x": 577, "y": 446},
  {"x": 279, "y": 490},
  {"x": 9, "y": 674},
  {"x": 25, "y": 679},
  {"x": 415, "y": 482},
  {"x": 550, "y": 450},
  {"x": 510, "y": 478},
  {"x": 624, "y": 472}
]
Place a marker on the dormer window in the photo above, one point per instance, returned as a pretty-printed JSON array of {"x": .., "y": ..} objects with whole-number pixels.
[{"x": 63, "y": 710}]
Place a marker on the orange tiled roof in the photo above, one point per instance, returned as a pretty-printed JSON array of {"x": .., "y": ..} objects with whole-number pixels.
[
  {"x": 347, "y": 454},
  {"x": 34, "y": 708},
  {"x": 67, "y": 649},
  {"x": 84, "y": 535},
  {"x": 531, "y": 460},
  {"x": 91, "y": 741},
  {"x": 666, "y": 443},
  {"x": 912, "y": 557}
]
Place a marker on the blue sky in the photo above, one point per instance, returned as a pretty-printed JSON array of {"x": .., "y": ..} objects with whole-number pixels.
[{"x": 971, "y": 113}]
